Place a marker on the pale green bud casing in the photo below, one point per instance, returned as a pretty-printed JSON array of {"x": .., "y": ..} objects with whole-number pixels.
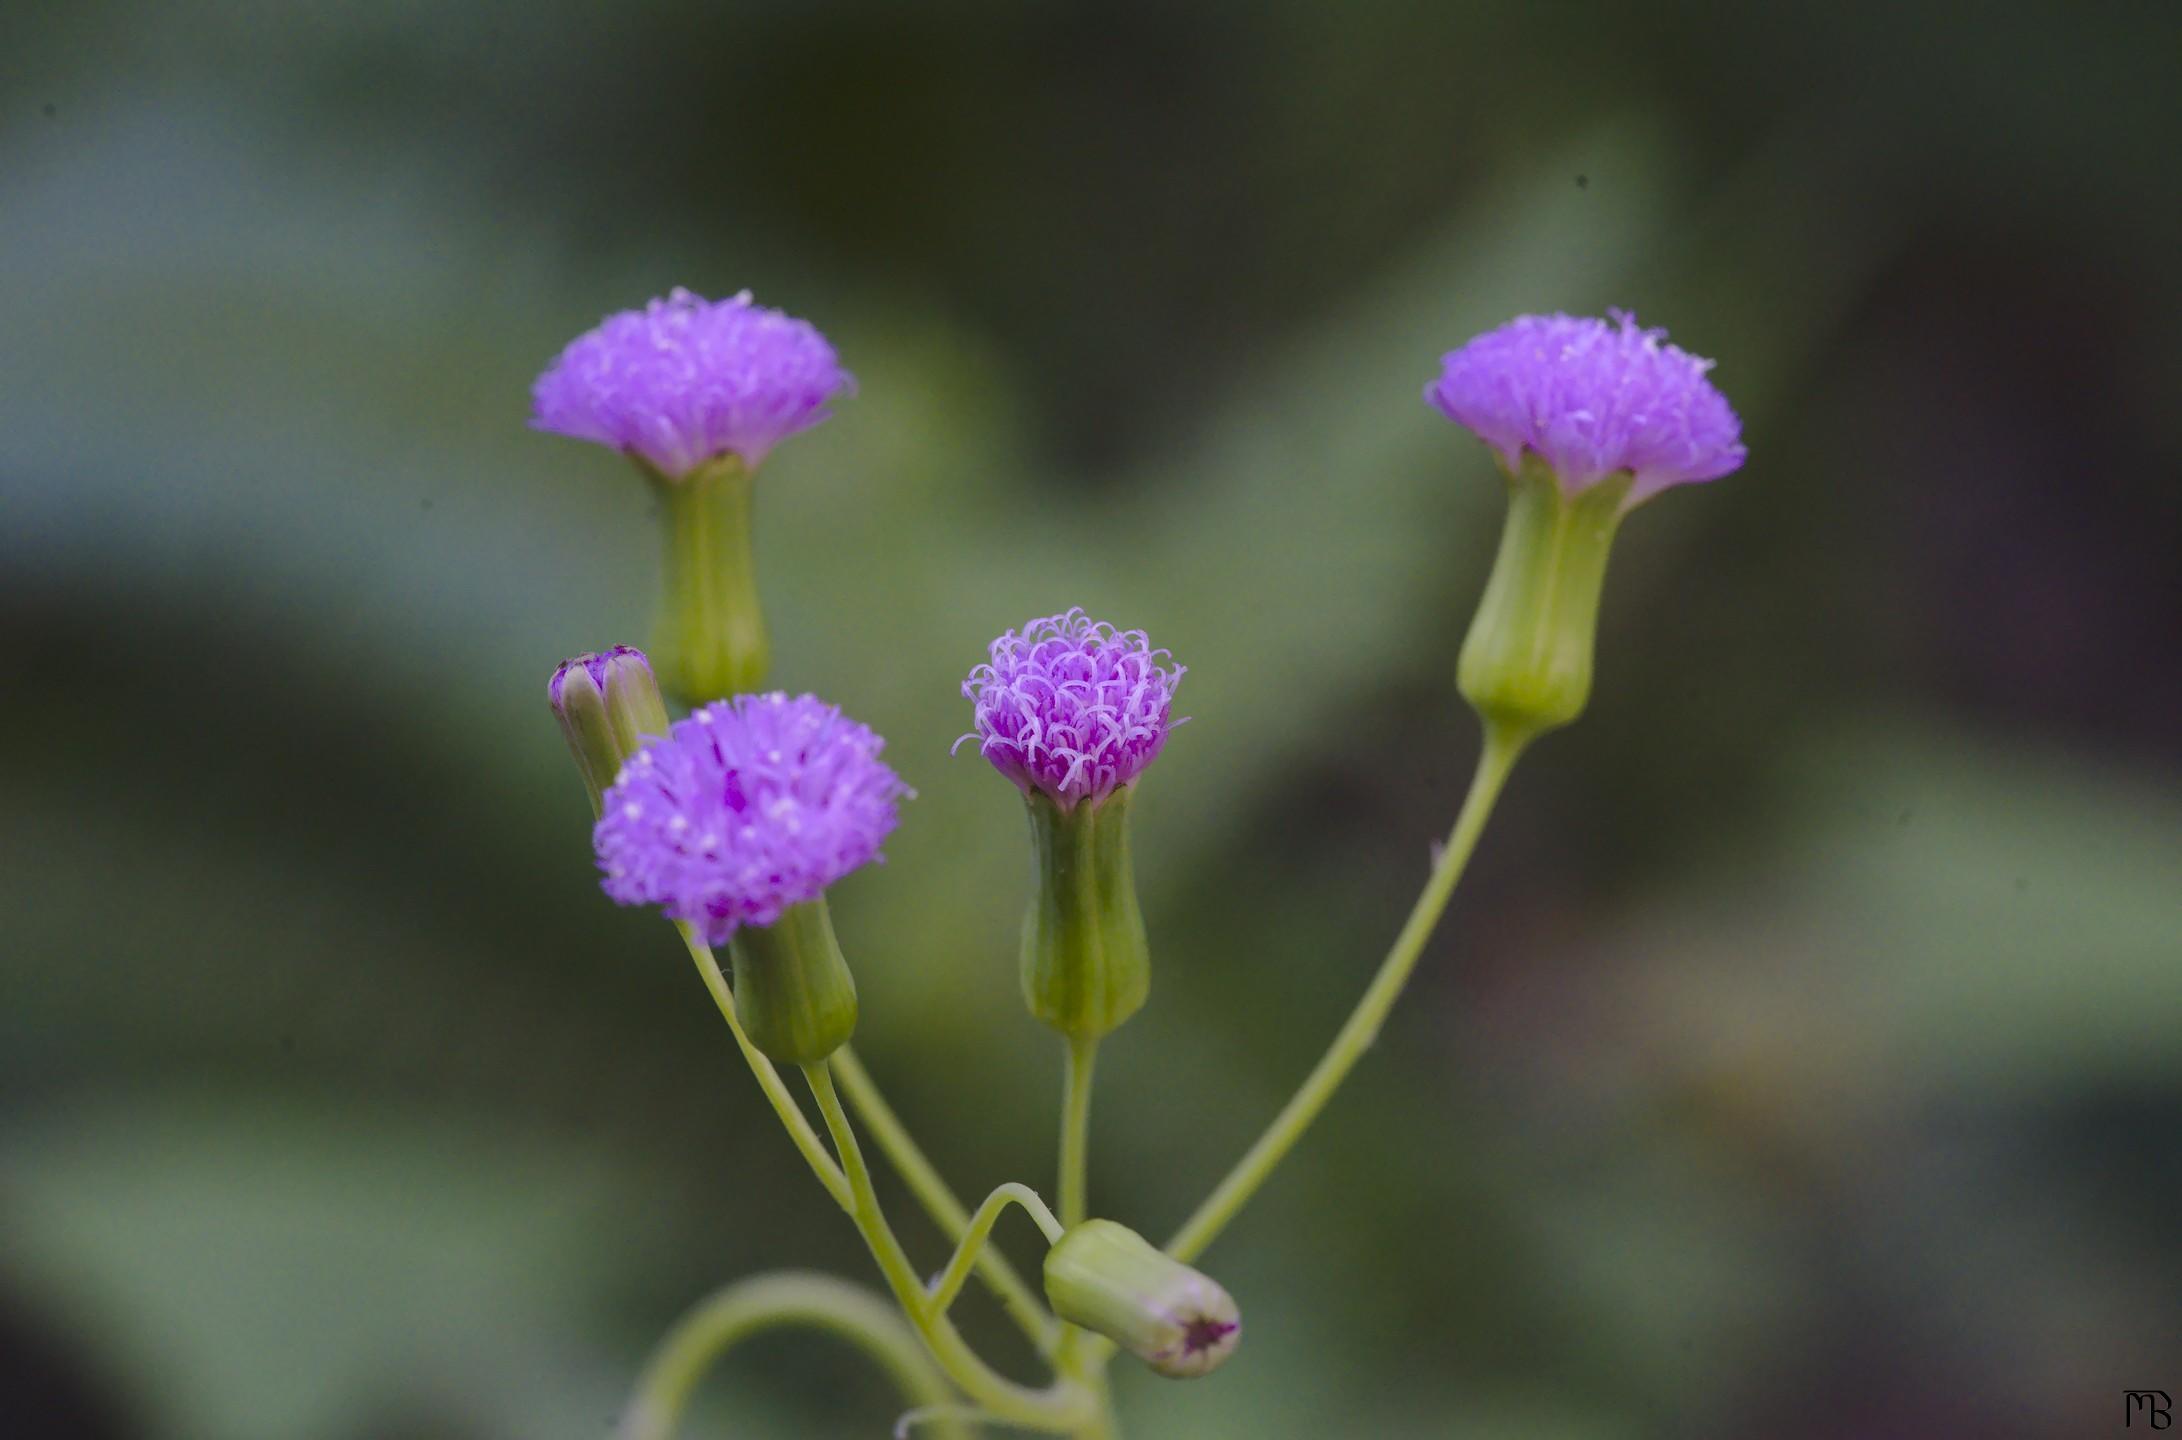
[
  {"x": 793, "y": 991},
  {"x": 1086, "y": 962},
  {"x": 710, "y": 641},
  {"x": 1109, "y": 1279},
  {"x": 607, "y": 705},
  {"x": 1526, "y": 664}
]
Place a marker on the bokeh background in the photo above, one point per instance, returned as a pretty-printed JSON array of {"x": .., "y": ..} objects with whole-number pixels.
[{"x": 1803, "y": 1057}]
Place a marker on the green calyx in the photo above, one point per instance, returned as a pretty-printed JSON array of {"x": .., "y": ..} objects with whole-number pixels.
[
  {"x": 1111, "y": 1280},
  {"x": 793, "y": 991},
  {"x": 1526, "y": 664},
  {"x": 710, "y": 641},
  {"x": 1086, "y": 964}
]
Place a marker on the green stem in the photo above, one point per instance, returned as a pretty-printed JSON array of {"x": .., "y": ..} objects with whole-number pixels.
[
  {"x": 1072, "y": 1357},
  {"x": 1083, "y": 1054},
  {"x": 1501, "y": 748},
  {"x": 949, "y": 1285},
  {"x": 938, "y": 1199},
  {"x": 776, "y": 1090},
  {"x": 818, "y": 1302},
  {"x": 1065, "y": 1407}
]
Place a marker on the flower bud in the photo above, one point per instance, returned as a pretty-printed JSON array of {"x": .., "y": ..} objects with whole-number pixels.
[
  {"x": 793, "y": 991},
  {"x": 607, "y": 704},
  {"x": 1086, "y": 963},
  {"x": 1107, "y": 1278}
]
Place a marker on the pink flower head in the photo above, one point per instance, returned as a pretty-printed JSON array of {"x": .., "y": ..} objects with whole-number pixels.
[
  {"x": 686, "y": 380},
  {"x": 1591, "y": 398},
  {"x": 747, "y": 807},
  {"x": 1071, "y": 707}
]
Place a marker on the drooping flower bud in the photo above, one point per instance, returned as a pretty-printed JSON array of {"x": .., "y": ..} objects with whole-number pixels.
[
  {"x": 1589, "y": 419},
  {"x": 737, "y": 822},
  {"x": 1109, "y": 1279},
  {"x": 1073, "y": 711},
  {"x": 608, "y": 704},
  {"x": 698, "y": 393}
]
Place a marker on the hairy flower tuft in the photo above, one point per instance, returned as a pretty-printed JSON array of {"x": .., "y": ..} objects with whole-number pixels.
[
  {"x": 747, "y": 807},
  {"x": 686, "y": 380},
  {"x": 1072, "y": 707},
  {"x": 1591, "y": 398}
]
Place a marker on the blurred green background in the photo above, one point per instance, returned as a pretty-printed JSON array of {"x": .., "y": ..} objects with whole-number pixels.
[{"x": 1802, "y": 1058}]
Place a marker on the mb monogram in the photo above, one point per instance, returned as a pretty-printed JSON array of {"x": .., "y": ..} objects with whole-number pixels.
[{"x": 2153, "y": 1405}]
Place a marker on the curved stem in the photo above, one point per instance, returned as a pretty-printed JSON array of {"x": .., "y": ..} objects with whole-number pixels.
[
  {"x": 776, "y": 1090},
  {"x": 1501, "y": 748},
  {"x": 949, "y": 1285},
  {"x": 938, "y": 1199},
  {"x": 936, "y": 1415},
  {"x": 1064, "y": 1407},
  {"x": 1083, "y": 1054},
  {"x": 818, "y": 1302}
]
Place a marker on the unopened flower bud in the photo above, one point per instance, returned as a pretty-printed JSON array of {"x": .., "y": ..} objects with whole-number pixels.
[
  {"x": 1109, "y": 1279},
  {"x": 1589, "y": 419},
  {"x": 608, "y": 704},
  {"x": 1073, "y": 711}
]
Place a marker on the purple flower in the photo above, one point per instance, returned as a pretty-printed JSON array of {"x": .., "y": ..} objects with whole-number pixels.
[
  {"x": 1072, "y": 707},
  {"x": 686, "y": 380},
  {"x": 747, "y": 807},
  {"x": 1591, "y": 398}
]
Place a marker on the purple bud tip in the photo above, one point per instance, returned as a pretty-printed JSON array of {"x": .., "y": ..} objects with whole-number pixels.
[
  {"x": 747, "y": 807},
  {"x": 1205, "y": 1333},
  {"x": 1590, "y": 398},
  {"x": 595, "y": 665},
  {"x": 1072, "y": 707},
  {"x": 686, "y": 380}
]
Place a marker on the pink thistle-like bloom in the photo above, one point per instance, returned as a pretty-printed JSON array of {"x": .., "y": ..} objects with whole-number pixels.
[
  {"x": 1592, "y": 398},
  {"x": 747, "y": 807},
  {"x": 1071, "y": 707},
  {"x": 687, "y": 380}
]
